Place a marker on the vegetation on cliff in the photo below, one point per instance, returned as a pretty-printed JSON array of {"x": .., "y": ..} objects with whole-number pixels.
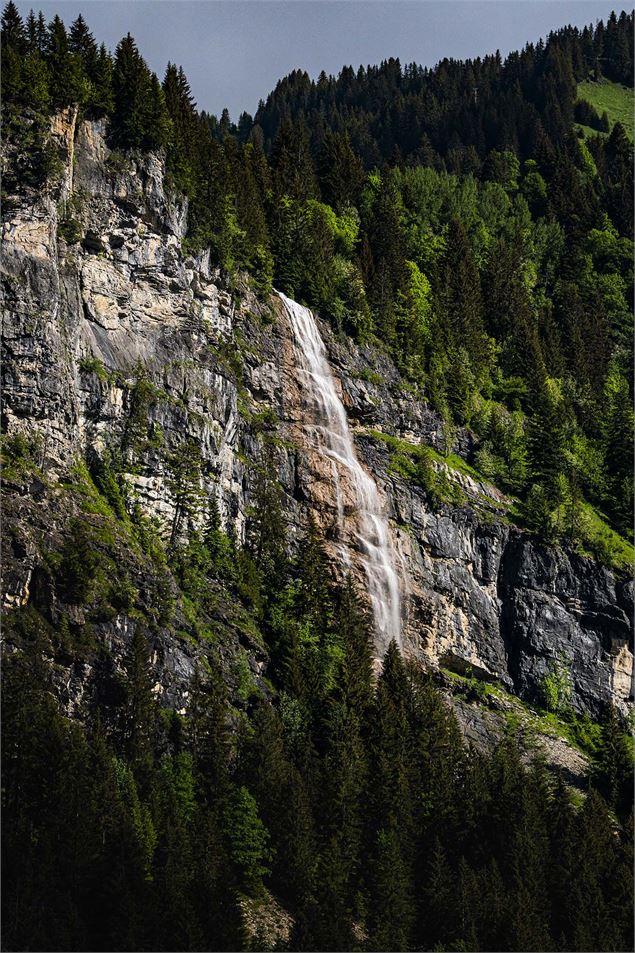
[
  {"x": 452, "y": 214},
  {"x": 454, "y": 217},
  {"x": 342, "y": 813}
]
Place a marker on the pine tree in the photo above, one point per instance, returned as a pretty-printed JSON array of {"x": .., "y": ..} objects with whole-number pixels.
[
  {"x": 181, "y": 108},
  {"x": 292, "y": 164},
  {"x": 209, "y": 736},
  {"x": 387, "y": 246},
  {"x": 462, "y": 304},
  {"x": 266, "y": 533},
  {"x": 340, "y": 172},
  {"x": 156, "y": 124},
  {"x": 140, "y": 115},
  {"x": 102, "y": 95},
  {"x": 14, "y": 47},
  {"x": 612, "y": 770},
  {"x": 253, "y": 192},
  {"x": 81, "y": 43},
  {"x": 546, "y": 438},
  {"x": 139, "y": 716},
  {"x": 13, "y": 32},
  {"x": 31, "y": 28},
  {"x": 184, "y": 485},
  {"x": 355, "y": 636},
  {"x": 35, "y": 81},
  {"x": 69, "y": 83},
  {"x": 617, "y": 178},
  {"x": 391, "y": 907},
  {"x": 529, "y": 922},
  {"x": 284, "y": 807}
]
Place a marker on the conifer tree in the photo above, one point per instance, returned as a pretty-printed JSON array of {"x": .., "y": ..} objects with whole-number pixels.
[
  {"x": 292, "y": 164},
  {"x": 13, "y": 31},
  {"x": 392, "y": 908},
  {"x": 463, "y": 312},
  {"x": 14, "y": 46},
  {"x": 138, "y": 726},
  {"x": 81, "y": 43},
  {"x": 612, "y": 770},
  {"x": 340, "y": 171},
  {"x": 209, "y": 736},
  {"x": 68, "y": 79},
  {"x": 180, "y": 105},
  {"x": 354, "y": 683},
  {"x": 140, "y": 116},
  {"x": 31, "y": 28},
  {"x": 248, "y": 838},
  {"x": 546, "y": 438},
  {"x": 102, "y": 95},
  {"x": 284, "y": 808},
  {"x": 184, "y": 484},
  {"x": 387, "y": 253},
  {"x": 266, "y": 532}
]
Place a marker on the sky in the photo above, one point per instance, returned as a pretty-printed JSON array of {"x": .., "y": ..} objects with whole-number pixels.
[{"x": 234, "y": 51}]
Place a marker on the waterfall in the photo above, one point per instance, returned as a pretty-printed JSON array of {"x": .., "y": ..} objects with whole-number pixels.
[{"x": 332, "y": 437}]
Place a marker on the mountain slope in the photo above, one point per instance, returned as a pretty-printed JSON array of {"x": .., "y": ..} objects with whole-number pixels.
[{"x": 207, "y": 743}]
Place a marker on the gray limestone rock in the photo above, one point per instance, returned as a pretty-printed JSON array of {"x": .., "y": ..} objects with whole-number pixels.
[{"x": 85, "y": 322}]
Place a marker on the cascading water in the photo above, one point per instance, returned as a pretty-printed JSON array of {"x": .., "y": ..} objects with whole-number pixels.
[{"x": 332, "y": 436}]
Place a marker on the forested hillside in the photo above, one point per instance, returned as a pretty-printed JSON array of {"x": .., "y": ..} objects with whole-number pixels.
[
  {"x": 456, "y": 222},
  {"x": 453, "y": 214}
]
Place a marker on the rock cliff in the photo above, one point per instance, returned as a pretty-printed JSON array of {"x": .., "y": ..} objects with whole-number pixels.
[{"x": 114, "y": 337}]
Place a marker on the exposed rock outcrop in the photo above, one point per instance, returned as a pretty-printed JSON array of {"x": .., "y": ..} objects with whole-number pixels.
[{"x": 85, "y": 321}]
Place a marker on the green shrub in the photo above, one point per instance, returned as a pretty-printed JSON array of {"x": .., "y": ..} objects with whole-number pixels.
[
  {"x": 371, "y": 377},
  {"x": 556, "y": 687},
  {"x": 93, "y": 365},
  {"x": 123, "y": 594},
  {"x": 143, "y": 395},
  {"x": 70, "y": 230},
  {"x": 111, "y": 485},
  {"x": 265, "y": 420},
  {"x": 78, "y": 565},
  {"x": 20, "y": 450}
]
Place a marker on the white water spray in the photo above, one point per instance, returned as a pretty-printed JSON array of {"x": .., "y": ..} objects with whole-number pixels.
[{"x": 332, "y": 436}]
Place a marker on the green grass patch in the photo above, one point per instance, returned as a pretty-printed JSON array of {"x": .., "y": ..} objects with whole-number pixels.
[
  {"x": 92, "y": 501},
  {"x": 417, "y": 450},
  {"x": 19, "y": 453},
  {"x": 475, "y": 689},
  {"x": 371, "y": 377},
  {"x": 593, "y": 535},
  {"x": 414, "y": 463},
  {"x": 93, "y": 365},
  {"x": 458, "y": 463},
  {"x": 613, "y": 98},
  {"x": 588, "y": 131},
  {"x": 579, "y": 731},
  {"x": 603, "y": 542}
]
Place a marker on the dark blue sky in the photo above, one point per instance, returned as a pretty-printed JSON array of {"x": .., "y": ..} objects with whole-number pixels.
[{"x": 234, "y": 51}]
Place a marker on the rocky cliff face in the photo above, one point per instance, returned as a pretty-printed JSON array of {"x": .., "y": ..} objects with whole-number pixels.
[{"x": 113, "y": 337}]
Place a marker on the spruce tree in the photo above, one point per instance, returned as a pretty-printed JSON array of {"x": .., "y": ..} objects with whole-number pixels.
[
  {"x": 81, "y": 43},
  {"x": 102, "y": 95},
  {"x": 14, "y": 47},
  {"x": 340, "y": 172},
  {"x": 69, "y": 83},
  {"x": 266, "y": 532},
  {"x": 140, "y": 116},
  {"x": 139, "y": 716},
  {"x": 13, "y": 32},
  {"x": 292, "y": 164},
  {"x": 391, "y": 902}
]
